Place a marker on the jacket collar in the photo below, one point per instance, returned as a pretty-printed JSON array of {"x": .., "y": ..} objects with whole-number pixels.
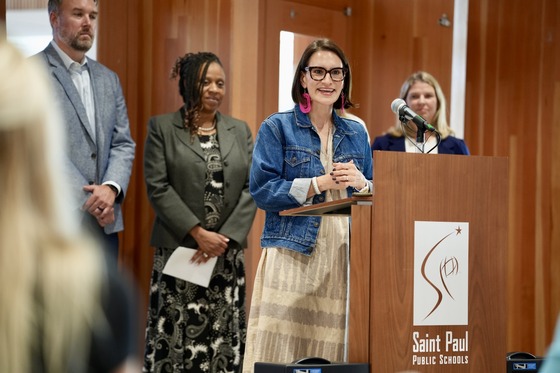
[
  {"x": 224, "y": 129},
  {"x": 60, "y": 72}
]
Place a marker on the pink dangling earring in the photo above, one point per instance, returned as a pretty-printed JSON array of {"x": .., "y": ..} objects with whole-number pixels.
[
  {"x": 307, "y": 107},
  {"x": 342, "y": 102}
]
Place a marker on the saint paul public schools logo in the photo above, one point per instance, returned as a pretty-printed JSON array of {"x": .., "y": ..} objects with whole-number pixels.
[{"x": 441, "y": 273}]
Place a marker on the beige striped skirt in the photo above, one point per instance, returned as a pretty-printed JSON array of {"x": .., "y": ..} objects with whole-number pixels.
[{"x": 299, "y": 302}]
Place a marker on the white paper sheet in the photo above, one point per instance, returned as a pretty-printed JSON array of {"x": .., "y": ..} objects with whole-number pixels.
[{"x": 179, "y": 265}]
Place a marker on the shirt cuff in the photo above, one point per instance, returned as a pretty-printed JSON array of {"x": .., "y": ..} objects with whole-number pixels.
[
  {"x": 113, "y": 184},
  {"x": 300, "y": 188}
]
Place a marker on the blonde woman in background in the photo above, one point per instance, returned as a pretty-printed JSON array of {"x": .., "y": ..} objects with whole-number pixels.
[
  {"x": 59, "y": 304},
  {"x": 423, "y": 94}
]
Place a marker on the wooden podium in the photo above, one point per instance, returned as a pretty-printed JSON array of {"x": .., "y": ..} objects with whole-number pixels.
[{"x": 428, "y": 264}]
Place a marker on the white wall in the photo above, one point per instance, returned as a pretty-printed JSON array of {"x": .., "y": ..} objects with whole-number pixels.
[{"x": 31, "y": 31}]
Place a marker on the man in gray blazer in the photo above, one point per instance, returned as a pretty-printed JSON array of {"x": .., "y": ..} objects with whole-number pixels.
[{"x": 100, "y": 150}]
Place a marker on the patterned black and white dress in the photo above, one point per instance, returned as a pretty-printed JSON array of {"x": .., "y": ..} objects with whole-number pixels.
[{"x": 191, "y": 328}]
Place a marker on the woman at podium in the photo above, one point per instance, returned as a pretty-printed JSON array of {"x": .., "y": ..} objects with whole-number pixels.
[
  {"x": 422, "y": 95},
  {"x": 306, "y": 155}
]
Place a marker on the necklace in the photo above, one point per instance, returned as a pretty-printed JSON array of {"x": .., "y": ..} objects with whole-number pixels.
[{"x": 208, "y": 129}]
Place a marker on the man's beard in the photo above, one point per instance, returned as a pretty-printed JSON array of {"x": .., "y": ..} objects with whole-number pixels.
[
  {"x": 81, "y": 45},
  {"x": 75, "y": 41}
]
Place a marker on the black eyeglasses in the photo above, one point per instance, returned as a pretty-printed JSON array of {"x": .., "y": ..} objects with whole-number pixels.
[{"x": 318, "y": 73}]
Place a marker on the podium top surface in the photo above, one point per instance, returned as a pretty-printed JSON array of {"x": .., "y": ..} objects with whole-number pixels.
[{"x": 338, "y": 207}]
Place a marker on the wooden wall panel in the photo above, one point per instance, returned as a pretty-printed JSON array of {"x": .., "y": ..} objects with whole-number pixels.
[
  {"x": 330, "y": 4},
  {"x": 406, "y": 37},
  {"x": 547, "y": 236},
  {"x": 2, "y": 16},
  {"x": 124, "y": 35},
  {"x": 246, "y": 93},
  {"x": 511, "y": 78},
  {"x": 362, "y": 59}
]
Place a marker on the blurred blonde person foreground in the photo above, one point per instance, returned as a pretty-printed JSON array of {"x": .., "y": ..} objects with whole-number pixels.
[{"x": 59, "y": 304}]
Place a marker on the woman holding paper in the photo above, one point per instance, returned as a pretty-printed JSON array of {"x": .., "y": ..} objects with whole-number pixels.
[{"x": 196, "y": 166}]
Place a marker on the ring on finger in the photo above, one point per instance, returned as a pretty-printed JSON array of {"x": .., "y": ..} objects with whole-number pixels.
[{"x": 205, "y": 255}]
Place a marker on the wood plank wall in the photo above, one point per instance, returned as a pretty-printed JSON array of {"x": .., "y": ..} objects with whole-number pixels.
[
  {"x": 511, "y": 110},
  {"x": 405, "y": 37},
  {"x": 512, "y": 107},
  {"x": 2, "y": 16}
]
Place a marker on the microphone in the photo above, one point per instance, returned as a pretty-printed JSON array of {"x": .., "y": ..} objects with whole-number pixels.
[{"x": 400, "y": 108}]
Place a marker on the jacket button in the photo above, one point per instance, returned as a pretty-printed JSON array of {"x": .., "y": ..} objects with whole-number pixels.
[
  {"x": 315, "y": 224},
  {"x": 226, "y": 163},
  {"x": 91, "y": 183},
  {"x": 93, "y": 155},
  {"x": 227, "y": 183}
]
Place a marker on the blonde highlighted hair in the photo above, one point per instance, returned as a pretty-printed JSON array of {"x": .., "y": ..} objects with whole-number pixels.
[
  {"x": 440, "y": 117},
  {"x": 50, "y": 274}
]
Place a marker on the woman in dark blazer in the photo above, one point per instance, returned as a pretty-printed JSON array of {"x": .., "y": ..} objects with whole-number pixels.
[
  {"x": 196, "y": 166},
  {"x": 423, "y": 94}
]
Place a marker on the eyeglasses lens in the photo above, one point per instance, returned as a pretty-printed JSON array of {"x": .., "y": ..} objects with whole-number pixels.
[{"x": 318, "y": 73}]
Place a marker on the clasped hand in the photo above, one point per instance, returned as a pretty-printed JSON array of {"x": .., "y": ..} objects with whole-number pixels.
[
  {"x": 210, "y": 244},
  {"x": 100, "y": 203},
  {"x": 345, "y": 175}
]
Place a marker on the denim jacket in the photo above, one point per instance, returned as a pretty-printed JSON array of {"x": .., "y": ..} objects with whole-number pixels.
[{"x": 285, "y": 158}]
